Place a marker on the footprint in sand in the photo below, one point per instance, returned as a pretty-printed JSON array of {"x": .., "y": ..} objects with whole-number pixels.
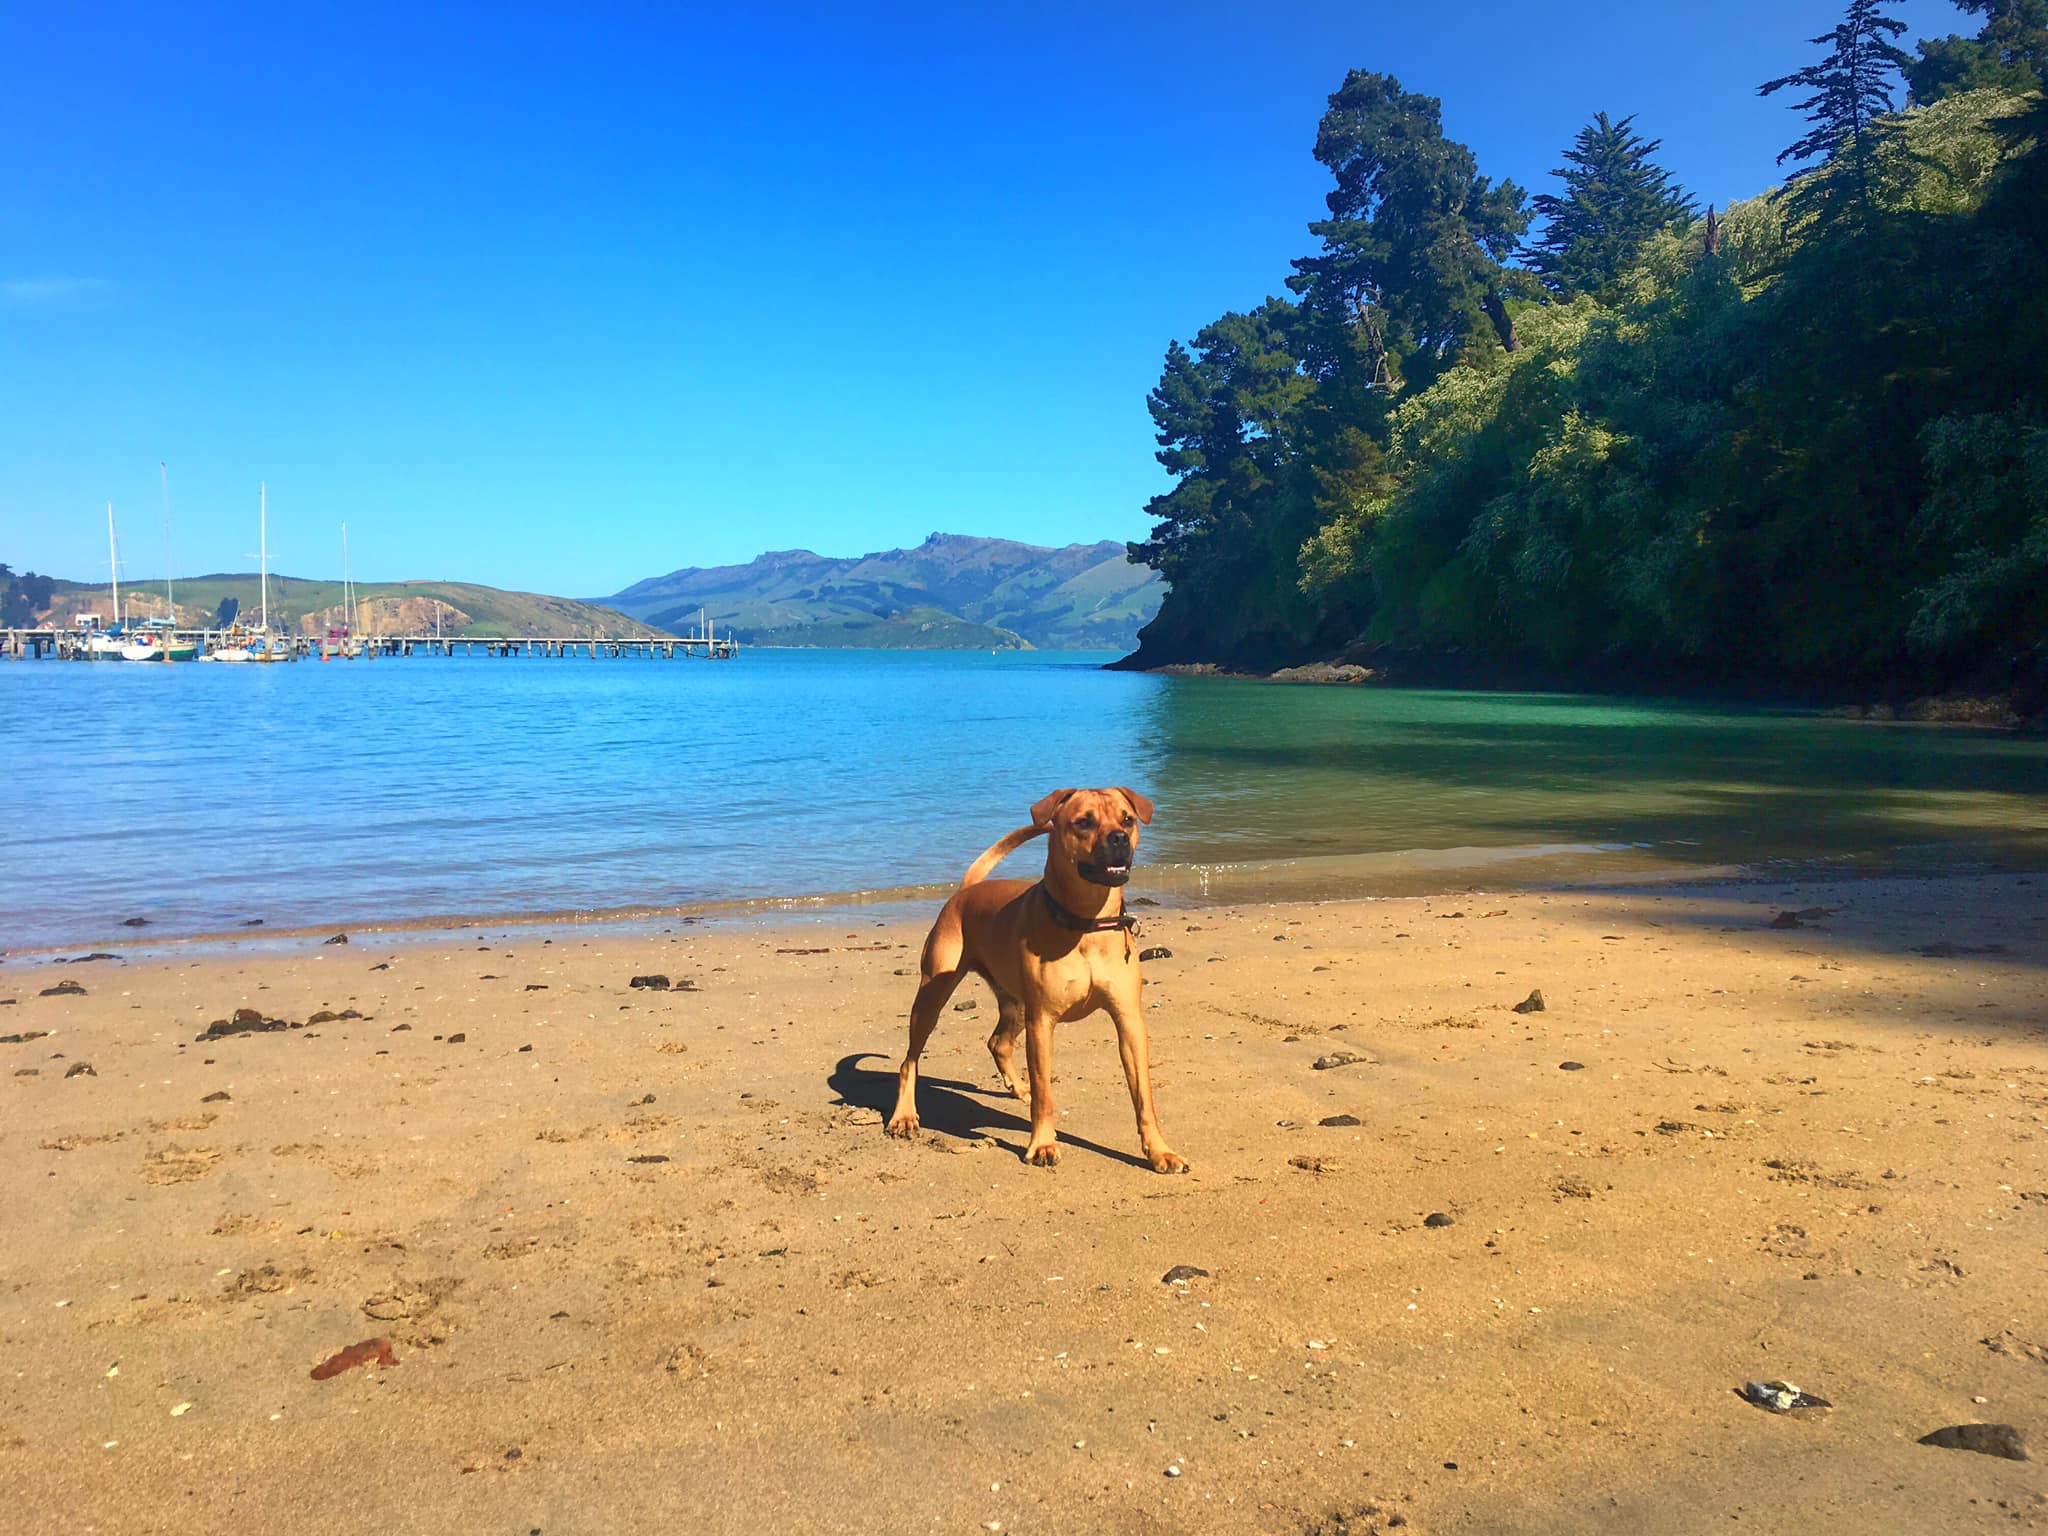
[{"x": 178, "y": 1165}]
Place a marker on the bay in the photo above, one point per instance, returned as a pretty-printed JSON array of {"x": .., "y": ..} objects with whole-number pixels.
[{"x": 395, "y": 792}]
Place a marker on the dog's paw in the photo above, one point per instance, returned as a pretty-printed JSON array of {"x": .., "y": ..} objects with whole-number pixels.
[
  {"x": 904, "y": 1126},
  {"x": 1043, "y": 1154},
  {"x": 1164, "y": 1161}
]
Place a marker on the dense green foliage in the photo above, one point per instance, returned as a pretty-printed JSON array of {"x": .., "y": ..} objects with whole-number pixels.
[
  {"x": 1852, "y": 95},
  {"x": 1788, "y": 446},
  {"x": 2009, "y": 53},
  {"x": 23, "y": 595}
]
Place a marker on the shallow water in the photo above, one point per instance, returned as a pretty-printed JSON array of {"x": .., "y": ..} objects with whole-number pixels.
[{"x": 395, "y": 791}]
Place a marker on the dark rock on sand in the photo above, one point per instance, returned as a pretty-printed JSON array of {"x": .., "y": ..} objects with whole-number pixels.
[
  {"x": 1180, "y": 1274},
  {"x": 134, "y": 922},
  {"x": 536, "y": 986},
  {"x": 1985, "y": 1439},
  {"x": 80, "y": 1069},
  {"x": 98, "y": 954},
  {"x": 1571, "y": 1066},
  {"x": 1339, "y": 1059},
  {"x": 339, "y": 938},
  {"x": 1439, "y": 1219},
  {"x": 457, "y": 1038},
  {"x": 218, "y": 1097},
  {"x": 327, "y": 1016},
  {"x": 1533, "y": 1003},
  {"x": 1156, "y": 952},
  {"x": 649, "y": 1157},
  {"x": 24, "y": 1037},
  {"x": 247, "y": 1021},
  {"x": 63, "y": 989},
  {"x": 967, "y": 1007},
  {"x": 650, "y": 983},
  {"x": 1338, "y": 1120}
]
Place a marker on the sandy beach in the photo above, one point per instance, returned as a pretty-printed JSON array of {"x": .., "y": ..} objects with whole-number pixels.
[{"x": 646, "y": 1260}]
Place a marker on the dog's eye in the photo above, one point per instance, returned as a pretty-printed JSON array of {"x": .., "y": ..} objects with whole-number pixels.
[
  {"x": 1084, "y": 823},
  {"x": 1130, "y": 821}
]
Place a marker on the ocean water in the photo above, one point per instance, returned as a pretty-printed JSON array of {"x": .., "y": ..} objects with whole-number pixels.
[{"x": 403, "y": 791}]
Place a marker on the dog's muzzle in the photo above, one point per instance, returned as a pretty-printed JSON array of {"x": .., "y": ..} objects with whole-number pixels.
[{"x": 1111, "y": 864}]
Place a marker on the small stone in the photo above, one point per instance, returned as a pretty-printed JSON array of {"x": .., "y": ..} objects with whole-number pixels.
[
  {"x": 1173, "y": 1471},
  {"x": 967, "y": 1007},
  {"x": 63, "y": 989},
  {"x": 80, "y": 1069},
  {"x": 339, "y": 938},
  {"x": 514, "y": 1454},
  {"x": 1533, "y": 1003},
  {"x": 179, "y": 1410},
  {"x": 1571, "y": 1066},
  {"x": 134, "y": 922},
  {"x": 1156, "y": 952},
  {"x": 457, "y": 1038},
  {"x": 524, "y": 1049},
  {"x": 1986, "y": 1439},
  {"x": 1338, "y": 1120},
  {"x": 1439, "y": 1219},
  {"x": 218, "y": 1097},
  {"x": 1339, "y": 1059},
  {"x": 1180, "y": 1274},
  {"x": 650, "y": 983}
]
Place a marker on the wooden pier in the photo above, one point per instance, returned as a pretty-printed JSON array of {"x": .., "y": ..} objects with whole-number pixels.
[{"x": 70, "y": 645}]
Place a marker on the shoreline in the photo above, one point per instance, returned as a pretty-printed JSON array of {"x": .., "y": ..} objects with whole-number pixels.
[
  {"x": 621, "y": 1230},
  {"x": 1310, "y": 878}
]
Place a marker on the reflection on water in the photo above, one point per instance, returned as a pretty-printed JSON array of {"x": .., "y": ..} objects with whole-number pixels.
[{"x": 205, "y": 797}]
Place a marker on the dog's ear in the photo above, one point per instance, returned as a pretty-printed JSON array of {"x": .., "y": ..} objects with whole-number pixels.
[
  {"x": 1042, "y": 813},
  {"x": 1138, "y": 803}
]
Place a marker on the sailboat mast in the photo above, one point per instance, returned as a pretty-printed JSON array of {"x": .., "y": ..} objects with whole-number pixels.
[
  {"x": 113, "y": 568},
  {"x": 348, "y": 599},
  {"x": 263, "y": 547},
  {"x": 170, "y": 591}
]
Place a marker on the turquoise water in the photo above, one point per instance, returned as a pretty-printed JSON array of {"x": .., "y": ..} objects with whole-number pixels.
[{"x": 397, "y": 791}]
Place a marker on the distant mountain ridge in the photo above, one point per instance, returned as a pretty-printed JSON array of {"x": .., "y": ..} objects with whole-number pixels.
[{"x": 953, "y": 591}]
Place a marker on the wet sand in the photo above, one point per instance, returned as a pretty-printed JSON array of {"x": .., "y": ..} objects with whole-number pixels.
[{"x": 647, "y": 1262}]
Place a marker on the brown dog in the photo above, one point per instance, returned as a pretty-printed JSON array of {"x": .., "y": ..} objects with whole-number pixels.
[{"x": 1054, "y": 949}]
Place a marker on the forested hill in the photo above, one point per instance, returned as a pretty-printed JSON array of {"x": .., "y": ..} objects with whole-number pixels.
[
  {"x": 1801, "y": 441},
  {"x": 950, "y": 591}
]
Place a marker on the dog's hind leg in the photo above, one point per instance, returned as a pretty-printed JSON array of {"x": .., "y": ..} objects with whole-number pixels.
[
  {"x": 924, "y": 1018},
  {"x": 1002, "y": 1045}
]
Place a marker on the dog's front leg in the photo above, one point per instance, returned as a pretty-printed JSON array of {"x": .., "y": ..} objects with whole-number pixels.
[
  {"x": 1131, "y": 1044},
  {"x": 1043, "y": 1151}
]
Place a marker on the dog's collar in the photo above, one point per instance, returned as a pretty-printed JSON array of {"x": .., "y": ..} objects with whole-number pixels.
[{"x": 1074, "y": 922}]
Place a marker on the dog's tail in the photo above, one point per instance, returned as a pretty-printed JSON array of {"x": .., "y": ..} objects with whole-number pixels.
[{"x": 978, "y": 870}]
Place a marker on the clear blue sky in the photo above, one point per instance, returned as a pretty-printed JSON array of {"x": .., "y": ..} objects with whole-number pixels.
[{"x": 558, "y": 297}]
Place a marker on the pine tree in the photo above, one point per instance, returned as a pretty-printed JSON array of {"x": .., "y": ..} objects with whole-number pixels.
[
  {"x": 1851, "y": 91},
  {"x": 1615, "y": 198},
  {"x": 2009, "y": 52}
]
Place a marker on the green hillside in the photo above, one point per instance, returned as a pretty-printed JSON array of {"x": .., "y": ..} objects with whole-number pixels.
[
  {"x": 465, "y": 609},
  {"x": 951, "y": 591}
]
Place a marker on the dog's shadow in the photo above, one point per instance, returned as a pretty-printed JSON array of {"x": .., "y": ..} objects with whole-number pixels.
[{"x": 953, "y": 1109}]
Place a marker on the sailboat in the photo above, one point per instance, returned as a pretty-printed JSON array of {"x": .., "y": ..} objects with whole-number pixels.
[
  {"x": 259, "y": 644},
  {"x": 341, "y": 638},
  {"x": 104, "y": 643},
  {"x": 158, "y": 640}
]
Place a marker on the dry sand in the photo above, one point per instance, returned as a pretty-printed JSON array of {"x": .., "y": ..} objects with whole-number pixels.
[{"x": 647, "y": 1261}]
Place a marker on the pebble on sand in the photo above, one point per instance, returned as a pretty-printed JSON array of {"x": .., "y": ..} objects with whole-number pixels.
[
  {"x": 1439, "y": 1219},
  {"x": 1156, "y": 952},
  {"x": 1339, "y": 1059},
  {"x": 1533, "y": 1003}
]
